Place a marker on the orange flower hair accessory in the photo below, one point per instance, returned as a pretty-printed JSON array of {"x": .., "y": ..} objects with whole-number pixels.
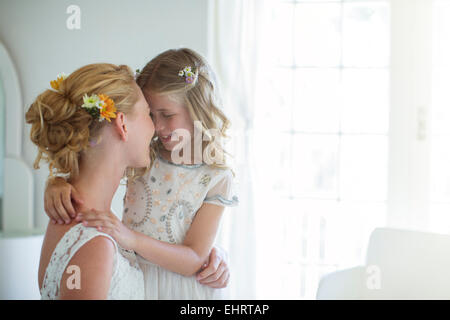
[
  {"x": 100, "y": 107},
  {"x": 59, "y": 79}
]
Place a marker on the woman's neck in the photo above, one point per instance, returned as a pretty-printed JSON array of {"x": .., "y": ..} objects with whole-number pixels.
[{"x": 98, "y": 181}]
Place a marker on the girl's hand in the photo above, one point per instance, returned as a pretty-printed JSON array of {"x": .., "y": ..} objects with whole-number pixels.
[
  {"x": 215, "y": 272},
  {"x": 108, "y": 223},
  {"x": 57, "y": 200}
]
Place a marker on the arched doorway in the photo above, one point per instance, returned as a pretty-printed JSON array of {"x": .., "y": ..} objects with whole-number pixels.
[
  {"x": 17, "y": 179},
  {"x": 19, "y": 248},
  {"x": 2, "y": 148}
]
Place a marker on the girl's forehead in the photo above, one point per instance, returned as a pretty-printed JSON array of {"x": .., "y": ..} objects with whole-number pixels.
[{"x": 164, "y": 102}]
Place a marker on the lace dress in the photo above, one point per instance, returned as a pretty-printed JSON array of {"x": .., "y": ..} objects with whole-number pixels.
[
  {"x": 127, "y": 281},
  {"x": 162, "y": 204}
]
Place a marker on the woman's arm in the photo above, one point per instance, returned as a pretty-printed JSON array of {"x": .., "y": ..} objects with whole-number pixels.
[{"x": 186, "y": 258}]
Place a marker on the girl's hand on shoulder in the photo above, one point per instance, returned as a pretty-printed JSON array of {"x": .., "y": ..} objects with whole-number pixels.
[
  {"x": 215, "y": 272},
  {"x": 58, "y": 198},
  {"x": 107, "y": 222}
]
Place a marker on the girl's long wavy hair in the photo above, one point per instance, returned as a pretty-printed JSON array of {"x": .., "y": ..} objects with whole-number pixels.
[{"x": 201, "y": 97}]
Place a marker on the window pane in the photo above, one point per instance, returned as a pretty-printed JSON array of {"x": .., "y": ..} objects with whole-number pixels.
[
  {"x": 282, "y": 36},
  {"x": 365, "y": 31},
  {"x": 306, "y": 226},
  {"x": 366, "y": 101},
  {"x": 323, "y": 236},
  {"x": 273, "y": 172},
  {"x": 351, "y": 228},
  {"x": 304, "y": 245},
  {"x": 271, "y": 212},
  {"x": 275, "y": 102},
  {"x": 317, "y": 100},
  {"x": 317, "y": 34},
  {"x": 315, "y": 166},
  {"x": 291, "y": 281},
  {"x": 363, "y": 167}
]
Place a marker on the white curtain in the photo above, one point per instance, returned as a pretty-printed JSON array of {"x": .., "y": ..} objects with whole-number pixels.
[{"x": 234, "y": 43}]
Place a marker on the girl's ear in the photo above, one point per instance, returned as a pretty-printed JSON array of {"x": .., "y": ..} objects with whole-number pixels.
[{"x": 120, "y": 126}]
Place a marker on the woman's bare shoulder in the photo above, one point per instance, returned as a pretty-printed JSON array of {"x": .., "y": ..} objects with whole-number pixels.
[{"x": 92, "y": 266}]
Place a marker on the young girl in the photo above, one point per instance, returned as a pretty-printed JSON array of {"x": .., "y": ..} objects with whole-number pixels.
[{"x": 172, "y": 212}]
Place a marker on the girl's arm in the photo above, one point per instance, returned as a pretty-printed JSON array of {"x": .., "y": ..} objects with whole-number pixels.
[
  {"x": 186, "y": 258},
  {"x": 216, "y": 273},
  {"x": 58, "y": 198}
]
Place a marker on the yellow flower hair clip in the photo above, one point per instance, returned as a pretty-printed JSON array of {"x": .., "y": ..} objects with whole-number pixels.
[
  {"x": 100, "y": 107},
  {"x": 59, "y": 79}
]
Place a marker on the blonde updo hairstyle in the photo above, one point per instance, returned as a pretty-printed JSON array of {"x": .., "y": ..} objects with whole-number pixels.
[
  {"x": 201, "y": 97},
  {"x": 61, "y": 129}
]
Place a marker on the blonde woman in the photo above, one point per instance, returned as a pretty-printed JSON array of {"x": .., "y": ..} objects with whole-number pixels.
[
  {"x": 173, "y": 212},
  {"x": 92, "y": 126}
]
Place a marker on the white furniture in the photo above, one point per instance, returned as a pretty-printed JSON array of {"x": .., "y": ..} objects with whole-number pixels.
[
  {"x": 19, "y": 266},
  {"x": 400, "y": 264}
]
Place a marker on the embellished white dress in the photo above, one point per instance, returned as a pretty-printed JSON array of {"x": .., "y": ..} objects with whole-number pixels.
[
  {"x": 162, "y": 204},
  {"x": 127, "y": 281}
]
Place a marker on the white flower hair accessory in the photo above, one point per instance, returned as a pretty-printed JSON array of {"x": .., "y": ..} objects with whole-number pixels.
[
  {"x": 100, "y": 107},
  {"x": 188, "y": 75},
  {"x": 137, "y": 73}
]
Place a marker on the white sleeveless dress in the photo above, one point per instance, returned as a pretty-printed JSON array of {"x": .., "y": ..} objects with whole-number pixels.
[{"x": 127, "y": 281}]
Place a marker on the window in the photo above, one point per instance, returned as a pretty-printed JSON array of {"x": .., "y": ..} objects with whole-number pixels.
[{"x": 321, "y": 140}]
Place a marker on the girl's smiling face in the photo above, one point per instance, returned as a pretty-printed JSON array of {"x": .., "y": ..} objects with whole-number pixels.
[{"x": 169, "y": 114}]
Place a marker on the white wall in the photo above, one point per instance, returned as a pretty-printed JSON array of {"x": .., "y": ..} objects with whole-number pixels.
[{"x": 120, "y": 32}]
